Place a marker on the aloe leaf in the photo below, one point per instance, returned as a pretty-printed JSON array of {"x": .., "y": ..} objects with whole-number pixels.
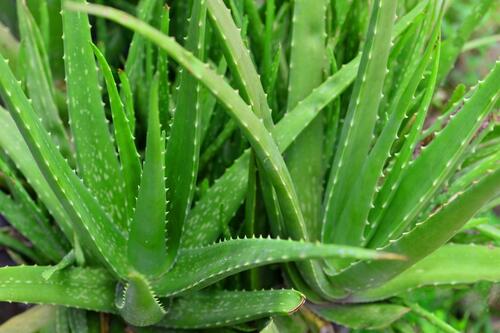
[
  {"x": 239, "y": 61},
  {"x": 129, "y": 157},
  {"x": 84, "y": 288},
  {"x": 99, "y": 235},
  {"x": 128, "y": 99},
  {"x": 222, "y": 308},
  {"x": 362, "y": 316},
  {"x": 39, "y": 80},
  {"x": 425, "y": 238},
  {"x": 200, "y": 267},
  {"x": 477, "y": 263},
  {"x": 307, "y": 59},
  {"x": 18, "y": 246},
  {"x": 136, "y": 302},
  {"x": 23, "y": 213},
  {"x": 404, "y": 155},
  {"x": 356, "y": 136},
  {"x": 183, "y": 147},
  {"x": 442, "y": 153},
  {"x": 30, "y": 320},
  {"x": 146, "y": 248},
  {"x": 163, "y": 72},
  {"x": 353, "y": 218},
  {"x": 96, "y": 157},
  {"x": 11, "y": 141},
  {"x": 135, "y": 58},
  {"x": 68, "y": 260}
]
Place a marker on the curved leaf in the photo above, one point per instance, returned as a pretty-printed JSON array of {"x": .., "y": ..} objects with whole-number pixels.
[
  {"x": 223, "y": 308},
  {"x": 450, "y": 265},
  {"x": 363, "y": 316},
  {"x": 85, "y": 288},
  {"x": 200, "y": 267}
]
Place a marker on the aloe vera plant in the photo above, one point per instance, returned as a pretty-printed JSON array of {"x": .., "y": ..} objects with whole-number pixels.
[{"x": 240, "y": 137}]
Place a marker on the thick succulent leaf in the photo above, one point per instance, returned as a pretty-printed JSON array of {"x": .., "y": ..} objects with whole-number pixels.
[
  {"x": 68, "y": 260},
  {"x": 84, "y": 288},
  {"x": 183, "y": 147},
  {"x": 23, "y": 213},
  {"x": 425, "y": 238},
  {"x": 146, "y": 247},
  {"x": 222, "y": 308},
  {"x": 450, "y": 265},
  {"x": 136, "y": 302},
  {"x": 404, "y": 155},
  {"x": 356, "y": 136},
  {"x": 135, "y": 59},
  {"x": 11, "y": 141},
  {"x": 128, "y": 99},
  {"x": 354, "y": 214},
  {"x": 96, "y": 156},
  {"x": 163, "y": 73},
  {"x": 200, "y": 267},
  {"x": 307, "y": 59},
  {"x": 124, "y": 137},
  {"x": 421, "y": 181},
  {"x": 97, "y": 232},
  {"x": 39, "y": 80},
  {"x": 30, "y": 321},
  {"x": 363, "y": 316},
  {"x": 239, "y": 60}
]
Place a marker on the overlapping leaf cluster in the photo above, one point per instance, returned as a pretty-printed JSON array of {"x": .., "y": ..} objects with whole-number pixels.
[{"x": 149, "y": 199}]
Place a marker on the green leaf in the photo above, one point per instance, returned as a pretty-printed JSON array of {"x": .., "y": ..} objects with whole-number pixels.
[
  {"x": 146, "y": 248},
  {"x": 30, "y": 321},
  {"x": 356, "y": 136},
  {"x": 134, "y": 63},
  {"x": 199, "y": 267},
  {"x": 420, "y": 183},
  {"x": 12, "y": 142},
  {"x": 96, "y": 156},
  {"x": 39, "y": 81},
  {"x": 476, "y": 263},
  {"x": 23, "y": 213},
  {"x": 353, "y": 218},
  {"x": 307, "y": 59},
  {"x": 223, "y": 308},
  {"x": 239, "y": 60},
  {"x": 183, "y": 147},
  {"x": 68, "y": 260},
  {"x": 85, "y": 288},
  {"x": 129, "y": 157},
  {"x": 97, "y": 232},
  {"x": 425, "y": 238},
  {"x": 363, "y": 316},
  {"x": 136, "y": 302}
]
